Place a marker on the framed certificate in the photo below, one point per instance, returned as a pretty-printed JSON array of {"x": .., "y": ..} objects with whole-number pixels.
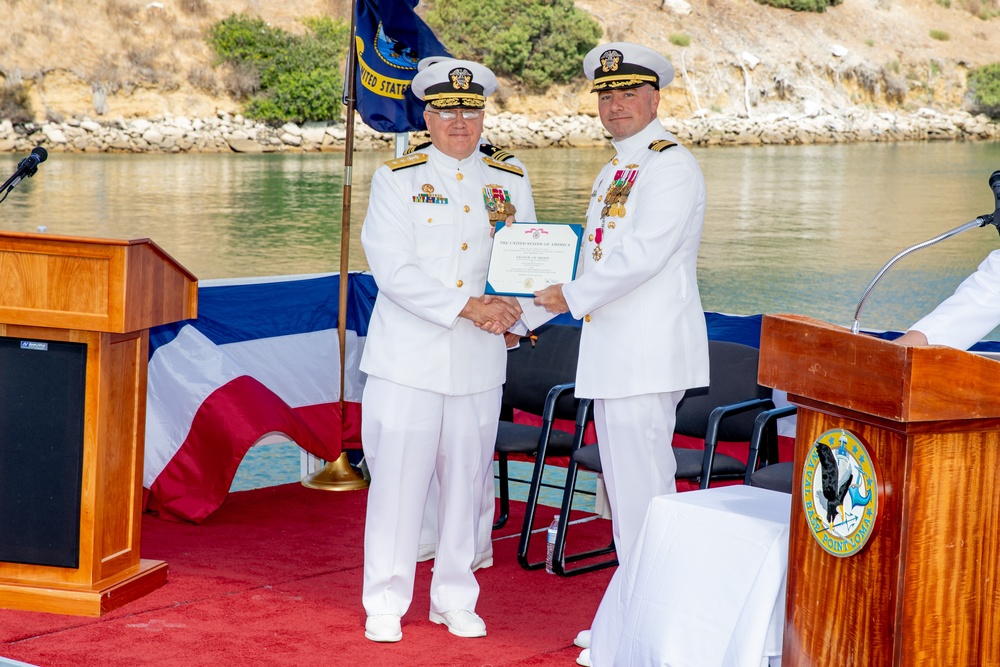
[{"x": 529, "y": 256}]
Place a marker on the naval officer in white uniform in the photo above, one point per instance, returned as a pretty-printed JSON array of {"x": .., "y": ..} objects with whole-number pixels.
[
  {"x": 966, "y": 316},
  {"x": 644, "y": 339},
  {"x": 432, "y": 398}
]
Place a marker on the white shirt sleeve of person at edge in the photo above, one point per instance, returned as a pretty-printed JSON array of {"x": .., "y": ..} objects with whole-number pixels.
[{"x": 970, "y": 313}]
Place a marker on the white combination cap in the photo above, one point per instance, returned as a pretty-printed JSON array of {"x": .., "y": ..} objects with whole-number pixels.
[
  {"x": 447, "y": 83},
  {"x": 625, "y": 65}
]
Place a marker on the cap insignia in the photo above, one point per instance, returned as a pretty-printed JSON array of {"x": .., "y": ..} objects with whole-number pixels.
[
  {"x": 610, "y": 60},
  {"x": 460, "y": 78}
]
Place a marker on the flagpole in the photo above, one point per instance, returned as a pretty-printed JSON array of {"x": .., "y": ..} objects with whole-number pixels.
[{"x": 339, "y": 475}]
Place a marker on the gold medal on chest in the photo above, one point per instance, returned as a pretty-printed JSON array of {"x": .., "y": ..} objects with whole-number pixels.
[
  {"x": 498, "y": 203},
  {"x": 598, "y": 253}
]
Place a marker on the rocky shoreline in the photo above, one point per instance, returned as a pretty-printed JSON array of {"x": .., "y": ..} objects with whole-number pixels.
[{"x": 226, "y": 132}]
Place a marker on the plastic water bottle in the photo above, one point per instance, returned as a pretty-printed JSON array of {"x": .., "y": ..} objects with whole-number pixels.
[{"x": 550, "y": 543}]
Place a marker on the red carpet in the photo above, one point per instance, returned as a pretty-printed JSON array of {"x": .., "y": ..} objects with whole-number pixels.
[{"x": 274, "y": 578}]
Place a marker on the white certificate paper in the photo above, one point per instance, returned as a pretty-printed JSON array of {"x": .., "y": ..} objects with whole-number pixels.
[{"x": 529, "y": 256}]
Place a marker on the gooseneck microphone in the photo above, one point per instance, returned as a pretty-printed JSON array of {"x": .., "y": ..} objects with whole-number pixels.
[
  {"x": 26, "y": 168},
  {"x": 981, "y": 221}
]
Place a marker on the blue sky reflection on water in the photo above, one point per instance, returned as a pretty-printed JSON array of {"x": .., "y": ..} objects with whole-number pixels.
[{"x": 788, "y": 229}]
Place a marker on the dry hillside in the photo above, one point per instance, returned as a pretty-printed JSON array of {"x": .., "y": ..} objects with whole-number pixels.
[{"x": 126, "y": 58}]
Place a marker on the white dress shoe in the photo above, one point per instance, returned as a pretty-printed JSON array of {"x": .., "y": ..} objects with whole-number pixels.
[
  {"x": 383, "y": 628},
  {"x": 461, "y": 623},
  {"x": 582, "y": 639},
  {"x": 584, "y": 658}
]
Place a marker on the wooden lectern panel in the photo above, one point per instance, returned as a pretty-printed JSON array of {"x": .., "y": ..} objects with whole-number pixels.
[
  {"x": 874, "y": 376},
  {"x": 922, "y": 591},
  {"x": 68, "y": 282},
  {"x": 104, "y": 294},
  {"x": 841, "y": 611}
]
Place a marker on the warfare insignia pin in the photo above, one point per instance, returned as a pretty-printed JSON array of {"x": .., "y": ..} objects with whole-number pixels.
[{"x": 428, "y": 188}]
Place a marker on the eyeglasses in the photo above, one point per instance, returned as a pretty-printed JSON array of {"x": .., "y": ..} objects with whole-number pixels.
[{"x": 467, "y": 114}]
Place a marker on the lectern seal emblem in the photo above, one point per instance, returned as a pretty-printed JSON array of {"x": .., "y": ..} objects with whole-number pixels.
[{"x": 840, "y": 493}]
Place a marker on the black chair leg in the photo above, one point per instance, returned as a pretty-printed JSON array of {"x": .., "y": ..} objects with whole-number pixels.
[
  {"x": 548, "y": 416},
  {"x": 532, "y": 501},
  {"x": 504, "y": 492},
  {"x": 559, "y": 558}
]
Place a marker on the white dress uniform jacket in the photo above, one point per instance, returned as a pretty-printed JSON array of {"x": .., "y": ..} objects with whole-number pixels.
[
  {"x": 427, "y": 240},
  {"x": 970, "y": 313},
  {"x": 644, "y": 328}
]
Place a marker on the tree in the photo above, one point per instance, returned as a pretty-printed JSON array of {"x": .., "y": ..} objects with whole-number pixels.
[
  {"x": 297, "y": 78},
  {"x": 536, "y": 42},
  {"x": 984, "y": 87}
]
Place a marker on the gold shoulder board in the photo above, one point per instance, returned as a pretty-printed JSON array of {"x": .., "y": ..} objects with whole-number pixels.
[
  {"x": 411, "y": 160},
  {"x": 661, "y": 145},
  {"x": 514, "y": 169},
  {"x": 492, "y": 151}
]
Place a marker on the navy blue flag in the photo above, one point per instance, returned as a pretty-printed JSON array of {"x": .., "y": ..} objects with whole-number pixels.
[{"x": 390, "y": 40}]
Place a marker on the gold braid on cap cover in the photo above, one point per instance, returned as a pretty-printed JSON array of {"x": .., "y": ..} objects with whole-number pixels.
[
  {"x": 450, "y": 99},
  {"x": 623, "y": 81}
]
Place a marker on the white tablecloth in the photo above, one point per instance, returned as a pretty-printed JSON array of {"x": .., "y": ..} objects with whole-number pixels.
[{"x": 703, "y": 586}]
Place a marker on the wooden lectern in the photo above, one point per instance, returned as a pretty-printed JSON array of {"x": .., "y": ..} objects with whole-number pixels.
[
  {"x": 923, "y": 589},
  {"x": 74, "y": 340}
]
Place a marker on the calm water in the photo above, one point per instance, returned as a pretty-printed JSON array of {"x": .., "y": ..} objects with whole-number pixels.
[{"x": 789, "y": 228}]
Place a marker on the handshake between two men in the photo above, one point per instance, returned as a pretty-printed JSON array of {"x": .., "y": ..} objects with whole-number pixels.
[
  {"x": 493, "y": 314},
  {"x": 497, "y": 314}
]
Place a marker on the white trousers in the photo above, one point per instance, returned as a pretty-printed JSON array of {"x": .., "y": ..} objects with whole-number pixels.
[
  {"x": 409, "y": 436},
  {"x": 484, "y": 538},
  {"x": 634, "y": 435}
]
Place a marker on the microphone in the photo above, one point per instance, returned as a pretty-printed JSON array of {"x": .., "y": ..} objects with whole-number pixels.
[
  {"x": 26, "y": 168},
  {"x": 29, "y": 165},
  {"x": 981, "y": 221}
]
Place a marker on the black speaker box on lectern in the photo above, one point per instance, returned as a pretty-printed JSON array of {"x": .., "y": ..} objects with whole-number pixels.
[{"x": 42, "y": 389}]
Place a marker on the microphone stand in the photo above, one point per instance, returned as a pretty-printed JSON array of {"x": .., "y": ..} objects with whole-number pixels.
[
  {"x": 981, "y": 221},
  {"x": 16, "y": 178}
]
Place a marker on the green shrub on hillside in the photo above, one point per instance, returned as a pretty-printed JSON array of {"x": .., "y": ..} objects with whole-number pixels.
[
  {"x": 535, "y": 42},
  {"x": 295, "y": 78},
  {"x": 15, "y": 105},
  {"x": 801, "y": 5},
  {"x": 984, "y": 87}
]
